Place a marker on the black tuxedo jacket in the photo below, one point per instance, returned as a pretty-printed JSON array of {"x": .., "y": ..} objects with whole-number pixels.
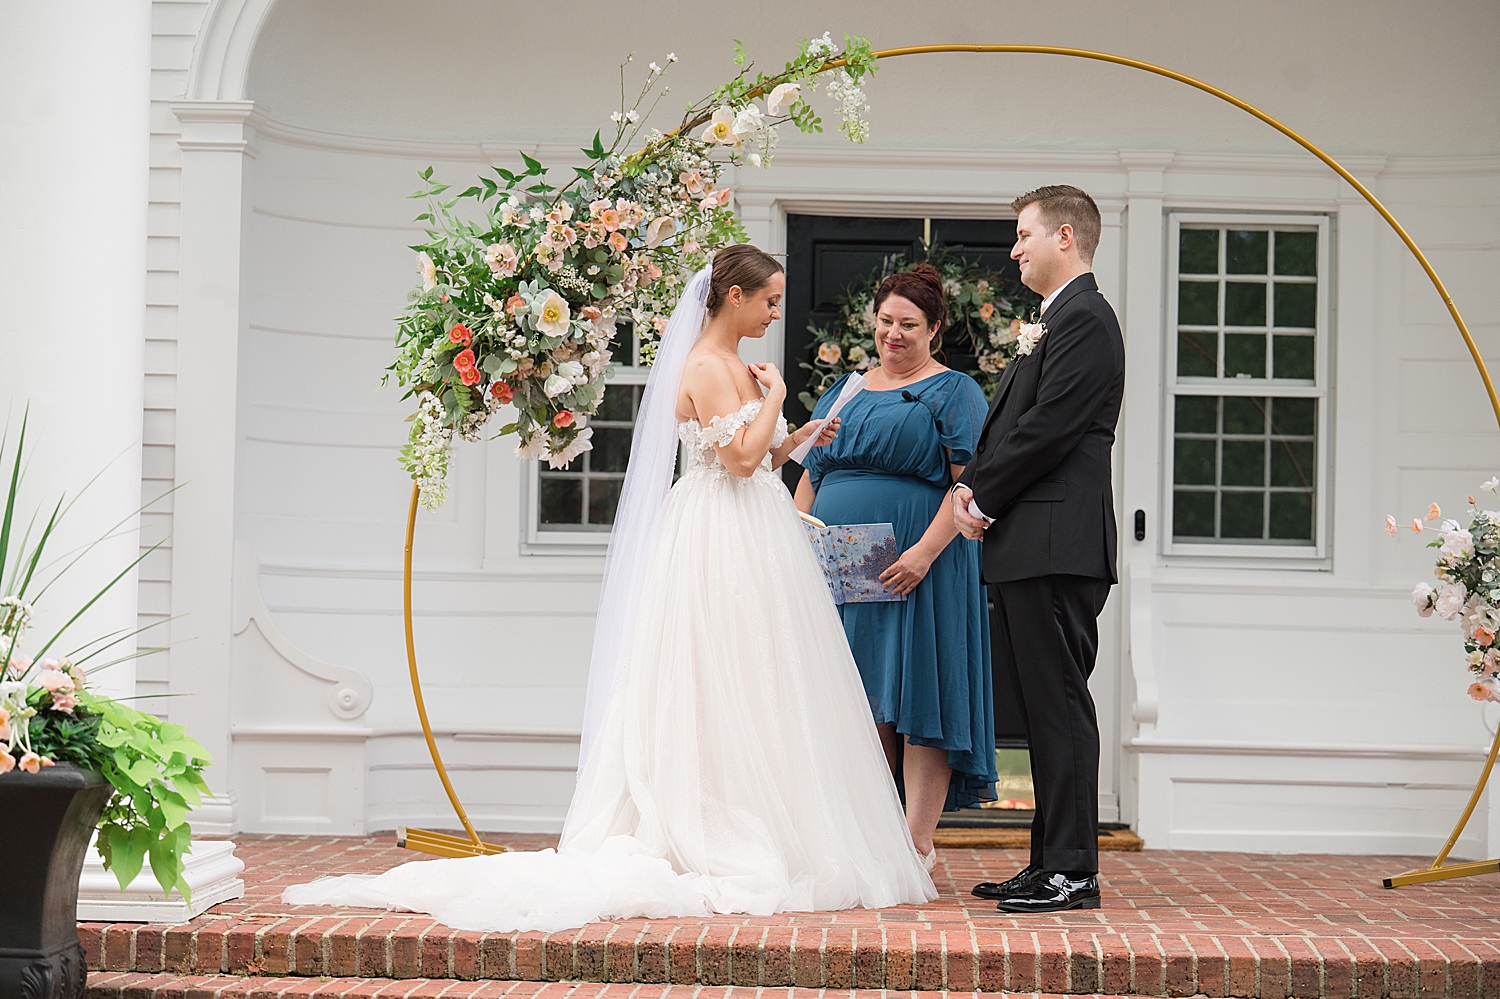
[{"x": 1042, "y": 467}]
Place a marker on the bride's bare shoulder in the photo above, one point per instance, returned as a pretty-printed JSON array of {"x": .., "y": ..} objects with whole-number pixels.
[{"x": 708, "y": 378}]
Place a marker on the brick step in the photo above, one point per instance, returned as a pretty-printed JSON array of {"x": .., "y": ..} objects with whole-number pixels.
[
  {"x": 1082, "y": 959},
  {"x": 109, "y": 985}
]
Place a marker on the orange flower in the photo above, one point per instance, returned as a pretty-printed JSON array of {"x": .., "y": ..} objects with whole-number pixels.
[
  {"x": 469, "y": 376},
  {"x": 1484, "y": 636},
  {"x": 1416, "y": 526},
  {"x": 1478, "y": 691},
  {"x": 986, "y": 310},
  {"x": 503, "y": 392},
  {"x": 464, "y": 361},
  {"x": 513, "y": 303},
  {"x": 31, "y": 763},
  {"x": 563, "y": 419},
  {"x": 617, "y": 242},
  {"x": 1390, "y": 525},
  {"x": 1433, "y": 512},
  {"x": 7, "y": 762},
  {"x": 460, "y": 334}
]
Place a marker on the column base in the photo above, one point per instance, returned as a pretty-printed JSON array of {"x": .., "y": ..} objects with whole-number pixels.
[{"x": 211, "y": 874}]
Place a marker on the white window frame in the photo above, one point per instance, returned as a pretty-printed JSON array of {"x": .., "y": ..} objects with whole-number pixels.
[
  {"x": 1316, "y": 555},
  {"x": 535, "y": 540}
]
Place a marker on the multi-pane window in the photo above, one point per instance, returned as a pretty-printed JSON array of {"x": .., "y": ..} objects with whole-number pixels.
[
  {"x": 1247, "y": 375},
  {"x": 575, "y": 506},
  {"x": 582, "y": 496}
]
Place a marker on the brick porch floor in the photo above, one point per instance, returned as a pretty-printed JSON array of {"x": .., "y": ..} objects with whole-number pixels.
[{"x": 1173, "y": 924}]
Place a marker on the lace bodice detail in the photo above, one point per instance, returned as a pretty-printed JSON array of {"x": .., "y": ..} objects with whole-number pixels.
[{"x": 701, "y": 440}]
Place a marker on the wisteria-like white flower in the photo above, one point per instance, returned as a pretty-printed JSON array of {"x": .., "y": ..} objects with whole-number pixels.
[
  {"x": 427, "y": 453},
  {"x": 851, "y": 98},
  {"x": 824, "y": 46}
]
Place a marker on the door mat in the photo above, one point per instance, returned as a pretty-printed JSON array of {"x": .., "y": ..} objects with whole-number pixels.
[{"x": 1002, "y": 838}]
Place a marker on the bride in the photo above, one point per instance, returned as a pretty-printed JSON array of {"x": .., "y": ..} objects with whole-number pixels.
[{"x": 729, "y": 760}]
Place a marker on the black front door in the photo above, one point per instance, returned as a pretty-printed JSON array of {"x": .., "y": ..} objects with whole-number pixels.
[{"x": 824, "y": 255}]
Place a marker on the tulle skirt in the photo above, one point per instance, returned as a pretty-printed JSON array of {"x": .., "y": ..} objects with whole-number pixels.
[{"x": 738, "y": 769}]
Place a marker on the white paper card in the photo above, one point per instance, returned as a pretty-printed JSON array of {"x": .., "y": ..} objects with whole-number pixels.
[{"x": 852, "y": 387}]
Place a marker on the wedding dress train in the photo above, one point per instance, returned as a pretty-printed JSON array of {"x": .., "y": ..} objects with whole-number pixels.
[{"x": 737, "y": 768}]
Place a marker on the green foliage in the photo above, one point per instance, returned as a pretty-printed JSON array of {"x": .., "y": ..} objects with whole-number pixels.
[
  {"x": 155, "y": 768},
  {"x": 981, "y": 307}
]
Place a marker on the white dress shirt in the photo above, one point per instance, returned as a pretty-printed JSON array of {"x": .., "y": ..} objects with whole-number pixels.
[{"x": 974, "y": 510}]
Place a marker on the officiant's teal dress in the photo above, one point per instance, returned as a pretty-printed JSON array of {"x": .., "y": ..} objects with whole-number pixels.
[{"x": 925, "y": 661}]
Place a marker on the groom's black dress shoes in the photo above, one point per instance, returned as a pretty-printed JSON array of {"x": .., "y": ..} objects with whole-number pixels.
[
  {"x": 1004, "y": 889},
  {"x": 1053, "y": 891}
]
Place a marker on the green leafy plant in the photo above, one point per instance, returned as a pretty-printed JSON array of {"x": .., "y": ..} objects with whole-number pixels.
[{"x": 49, "y": 716}]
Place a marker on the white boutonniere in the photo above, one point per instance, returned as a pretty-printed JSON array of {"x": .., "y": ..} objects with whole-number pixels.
[{"x": 1028, "y": 336}]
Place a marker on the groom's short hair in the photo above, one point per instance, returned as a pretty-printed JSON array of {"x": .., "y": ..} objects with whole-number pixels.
[{"x": 1063, "y": 204}]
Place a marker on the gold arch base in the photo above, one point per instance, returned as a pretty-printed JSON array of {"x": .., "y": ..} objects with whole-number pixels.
[{"x": 445, "y": 845}]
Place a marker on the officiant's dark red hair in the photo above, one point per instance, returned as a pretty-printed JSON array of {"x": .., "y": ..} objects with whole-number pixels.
[
  {"x": 922, "y": 286},
  {"x": 744, "y": 265}
]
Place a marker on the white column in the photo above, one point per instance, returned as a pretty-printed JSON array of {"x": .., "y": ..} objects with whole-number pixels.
[
  {"x": 73, "y": 194},
  {"x": 1139, "y": 443},
  {"x": 216, "y": 153}
]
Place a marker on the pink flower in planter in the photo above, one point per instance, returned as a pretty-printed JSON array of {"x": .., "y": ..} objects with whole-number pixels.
[
  {"x": 64, "y": 703},
  {"x": 55, "y": 680},
  {"x": 4, "y": 728},
  {"x": 31, "y": 763},
  {"x": 7, "y": 762}
]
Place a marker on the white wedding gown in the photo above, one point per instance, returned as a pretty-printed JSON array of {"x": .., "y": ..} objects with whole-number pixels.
[{"x": 738, "y": 768}]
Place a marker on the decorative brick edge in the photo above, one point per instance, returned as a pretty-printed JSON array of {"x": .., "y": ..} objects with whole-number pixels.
[{"x": 884, "y": 957}]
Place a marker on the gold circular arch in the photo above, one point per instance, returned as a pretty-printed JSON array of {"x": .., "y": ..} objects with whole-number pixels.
[{"x": 439, "y": 843}]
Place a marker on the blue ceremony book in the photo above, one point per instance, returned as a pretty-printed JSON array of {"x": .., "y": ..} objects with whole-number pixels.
[{"x": 853, "y": 556}]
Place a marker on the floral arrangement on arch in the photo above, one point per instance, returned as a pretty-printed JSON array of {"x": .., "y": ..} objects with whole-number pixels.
[
  {"x": 985, "y": 308},
  {"x": 528, "y": 294},
  {"x": 1468, "y": 586}
]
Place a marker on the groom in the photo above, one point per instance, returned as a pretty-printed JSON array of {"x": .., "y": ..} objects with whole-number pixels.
[{"x": 1038, "y": 492}]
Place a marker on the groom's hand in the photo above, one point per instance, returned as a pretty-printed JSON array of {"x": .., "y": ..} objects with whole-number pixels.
[{"x": 969, "y": 526}]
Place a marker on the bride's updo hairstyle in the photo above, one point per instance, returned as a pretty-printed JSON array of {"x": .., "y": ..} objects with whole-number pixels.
[
  {"x": 921, "y": 286},
  {"x": 742, "y": 264}
]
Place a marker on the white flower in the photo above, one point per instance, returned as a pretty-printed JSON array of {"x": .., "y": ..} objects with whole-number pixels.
[
  {"x": 533, "y": 447},
  {"x": 427, "y": 270},
  {"x": 851, "y": 98},
  {"x": 721, "y": 129},
  {"x": 748, "y": 123},
  {"x": 659, "y": 230},
  {"x": 821, "y": 46},
  {"x": 616, "y": 117},
  {"x": 783, "y": 97},
  {"x": 577, "y": 446},
  {"x": 552, "y": 314},
  {"x": 1421, "y": 598},
  {"x": 1457, "y": 542},
  {"x": 556, "y": 385},
  {"x": 671, "y": 57},
  {"x": 572, "y": 371},
  {"x": 1492, "y": 484},
  {"x": 632, "y": 116},
  {"x": 755, "y": 160},
  {"x": 502, "y": 260},
  {"x": 1450, "y": 601},
  {"x": 15, "y": 616},
  {"x": 1028, "y": 336},
  {"x": 654, "y": 67}
]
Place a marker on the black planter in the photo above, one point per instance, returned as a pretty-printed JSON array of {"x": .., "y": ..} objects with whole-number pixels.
[{"x": 46, "y": 820}]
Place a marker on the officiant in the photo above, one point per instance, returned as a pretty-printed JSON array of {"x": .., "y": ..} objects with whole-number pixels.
[{"x": 925, "y": 660}]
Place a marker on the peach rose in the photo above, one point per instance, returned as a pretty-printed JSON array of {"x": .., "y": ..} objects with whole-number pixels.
[
  {"x": 513, "y": 303},
  {"x": 563, "y": 419},
  {"x": 590, "y": 313}
]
